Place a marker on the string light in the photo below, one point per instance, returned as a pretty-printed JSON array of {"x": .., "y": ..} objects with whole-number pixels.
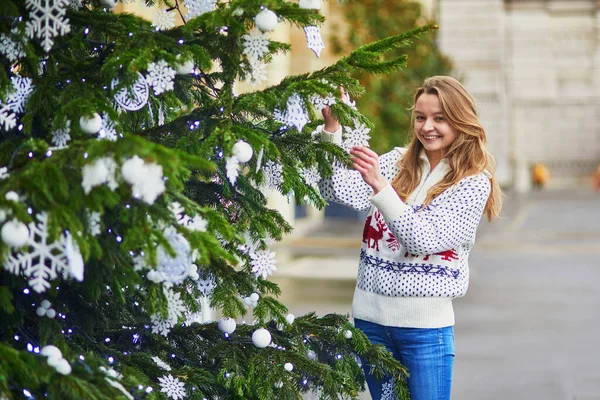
[{"x": 26, "y": 291}]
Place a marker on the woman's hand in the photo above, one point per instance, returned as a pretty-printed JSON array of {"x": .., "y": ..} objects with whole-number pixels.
[{"x": 366, "y": 161}]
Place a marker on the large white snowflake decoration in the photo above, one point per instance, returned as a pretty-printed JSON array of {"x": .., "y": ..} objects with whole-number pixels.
[
  {"x": 199, "y": 7},
  {"x": 356, "y": 136},
  {"x": 161, "y": 364},
  {"x": 44, "y": 260},
  {"x": 311, "y": 176},
  {"x": 108, "y": 130},
  {"x": 256, "y": 44},
  {"x": 257, "y": 73},
  {"x": 314, "y": 41},
  {"x": 160, "y": 76},
  {"x": 61, "y": 137},
  {"x": 263, "y": 263},
  {"x": 322, "y": 102},
  {"x": 172, "y": 387},
  {"x": 174, "y": 269},
  {"x": 232, "y": 165},
  {"x": 294, "y": 114},
  {"x": 11, "y": 45},
  {"x": 135, "y": 97},
  {"x": 163, "y": 20},
  {"x": 47, "y": 20},
  {"x": 388, "y": 390},
  {"x": 22, "y": 89},
  {"x": 273, "y": 174},
  {"x": 101, "y": 171}
]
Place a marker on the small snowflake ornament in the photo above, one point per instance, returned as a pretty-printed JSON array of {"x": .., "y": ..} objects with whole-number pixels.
[
  {"x": 160, "y": 76},
  {"x": 273, "y": 174},
  {"x": 256, "y": 44},
  {"x": 174, "y": 269},
  {"x": 108, "y": 130},
  {"x": 8, "y": 119},
  {"x": 359, "y": 135},
  {"x": 263, "y": 263},
  {"x": 11, "y": 45},
  {"x": 93, "y": 220},
  {"x": 294, "y": 114},
  {"x": 206, "y": 283},
  {"x": 321, "y": 102},
  {"x": 163, "y": 20},
  {"x": 388, "y": 390},
  {"x": 175, "y": 306},
  {"x": 257, "y": 73},
  {"x": 21, "y": 90},
  {"x": 311, "y": 176},
  {"x": 314, "y": 41},
  {"x": 199, "y": 7},
  {"x": 61, "y": 137},
  {"x": 47, "y": 20},
  {"x": 172, "y": 387},
  {"x": 161, "y": 364},
  {"x": 135, "y": 97},
  {"x": 161, "y": 325}
]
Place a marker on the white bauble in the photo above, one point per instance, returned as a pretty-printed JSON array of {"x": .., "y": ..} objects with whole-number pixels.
[
  {"x": 2, "y": 216},
  {"x": 243, "y": 151},
  {"x": 289, "y": 367},
  {"x": 46, "y": 304},
  {"x": 186, "y": 67},
  {"x": 227, "y": 325},
  {"x": 311, "y": 4},
  {"x": 254, "y": 297},
  {"x": 154, "y": 276},
  {"x": 51, "y": 351},
  {"x": 278, "y": 385},
  {"x": 348, "y": 334},
  {"x": 12, "y": 196},
  {"x": 247, "y": 301},
  {"x": 40, "y": 311},
  {"x": 290, "y": 318},
  {"x": 63, "y": 367},
  {"x": 261, "y": 338},
  {"x": 108, "y": 3},
  {"x": 50, "y": 313},
  {"x": 91, "y": 125},
  {"x": 266, "y": 20},
  {"x": 15, "y": 233}
]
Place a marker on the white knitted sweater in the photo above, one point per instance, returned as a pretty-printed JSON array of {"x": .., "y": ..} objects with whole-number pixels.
[{"x": 413, "y": 259}]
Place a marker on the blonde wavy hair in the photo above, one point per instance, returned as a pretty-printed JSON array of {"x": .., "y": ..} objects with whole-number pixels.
[{"x": 466, "y": 155}]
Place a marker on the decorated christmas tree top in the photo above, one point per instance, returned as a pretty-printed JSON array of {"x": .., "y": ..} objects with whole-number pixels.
[{"x": 132, "y": 193}]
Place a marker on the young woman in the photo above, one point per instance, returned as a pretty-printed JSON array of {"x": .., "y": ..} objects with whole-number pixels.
[{"x": 425, "y": 203}]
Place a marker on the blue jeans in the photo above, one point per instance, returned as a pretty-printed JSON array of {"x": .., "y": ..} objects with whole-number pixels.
[{"x": 427, "y": 353}]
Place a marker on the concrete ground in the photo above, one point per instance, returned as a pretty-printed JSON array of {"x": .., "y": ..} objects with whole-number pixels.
[{"x": 529, "y": 327}]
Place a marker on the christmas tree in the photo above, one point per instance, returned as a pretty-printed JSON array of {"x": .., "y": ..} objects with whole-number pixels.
[{"x": 132, "y": 200}]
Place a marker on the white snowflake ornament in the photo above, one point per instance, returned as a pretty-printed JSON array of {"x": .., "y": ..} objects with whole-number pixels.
[
  {"x": 93, "y": 220},
  {"x": 47, "y": 20},
  {"x": 232, "y": 165},
  {"x": 199, "y": 7},
  {"x": 311, "y": 176},
  {"x": 101, "y": 171},
  {"x": 74, "y": 258},
  {"x": 108, "y": 130},
  {"x": 321, "y": 102},
  {"x": 8, "y": 119},
  {"x": 273, "y": 174},
  {"x": 257, "y": 73},
  {"x": 174, "y": 269},
  {"x": 314, "y": 41},
  {"x": 135, "y": 97},
  {"x": 294, "y": 114},
  {"x": 146, "y": 179},
  {"x": 163, "y": 20},
  {"x": 61, "y": 137},
  {"x": 388, "y": 390},
  {"x": 263, "y": 263},
  {"x": 359, "y": 135},
  {"x": 256, "y": 44},
  {"x": 172, "y": 387},
  {"x": 21, "y": 90},
  {"x": 11, "y": 45},
  {"x": 160, "y": 77}
]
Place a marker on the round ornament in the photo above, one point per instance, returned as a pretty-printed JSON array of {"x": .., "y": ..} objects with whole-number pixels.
[
  {"x": 12, "y": 196},
  {"x": 91, "y": 125},
  {"x": 243, "y": 151},
  {"x": 50, "y": 313},
  {"x": 261, "y": 338},
  {"x": 289, "y": 367},
  {"x": 227, "y": 325},
  {"x": 63, "y": 367},
  {"x": 310, "y": 4},
  {"x": 290, "y": 318},
  {"x": 348, "y": 334},
  {"x": 186, "y": 67},
  {"x": 135, "y": 97},
  {"x": 266, "y": 20},
  {"x": 40, "y": 311},
  {"x": 254, "y": 297},
  {"x": 15, "y": 233},
  {"x": 174, "y": 269}
]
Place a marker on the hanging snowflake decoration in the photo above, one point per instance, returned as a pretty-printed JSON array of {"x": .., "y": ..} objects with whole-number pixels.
[
  {"x": 74, "y": 258},
  {"x": 172, "y": 387},
  {"x": 174, "y": 269},
  {"x": 61, "y": 137},
  {"x": 161, "y": 364},
  {"x": 232, "y": 165},
  {"x": 314, "y": 40},
  {"x": 256, "y": 44},
  {"x": 163, "y": 20},
  {"x": 196, "y": 223},
  {"x": 388, "y": 390},
  {"x": 8, "y": 119},
  {"x": 101, "y": 171},
  {"x": 311, "y": 176},
  {"x": 294, "y": 114},
  {"x": 175, "y": 306},
  {"x": 21, "y": 90},
  {"x": 273, "y": 174},
  {"x": 93, "y": 220},
  {"x": 160, "y": 76},
  {"x": 47, "y": 20},
  {"x": 199, "y": 7},
  {"x": 146, "y": 179},
  {"x": 263, "y": 263},
  {"x": 44, "y": 260},
  {"x": 257, "y": 73},
  {"x": 134, "y": 98},
  {"x": 346, "y": 100},
  {"x": 108, "y": 130},
  {"x": 11, "y": 45},
  {"x": 160, "y": 325},
  {"x": 357, "y": 136},
  {"x": 322, "y": 102},
  {"x": 206, "y": 284}
]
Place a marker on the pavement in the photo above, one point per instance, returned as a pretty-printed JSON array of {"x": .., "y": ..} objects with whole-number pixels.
[{"x": 529, "y": 326}]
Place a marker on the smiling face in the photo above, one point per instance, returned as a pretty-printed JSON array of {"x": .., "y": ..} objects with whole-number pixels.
[{"x": 432, "y": 129}]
